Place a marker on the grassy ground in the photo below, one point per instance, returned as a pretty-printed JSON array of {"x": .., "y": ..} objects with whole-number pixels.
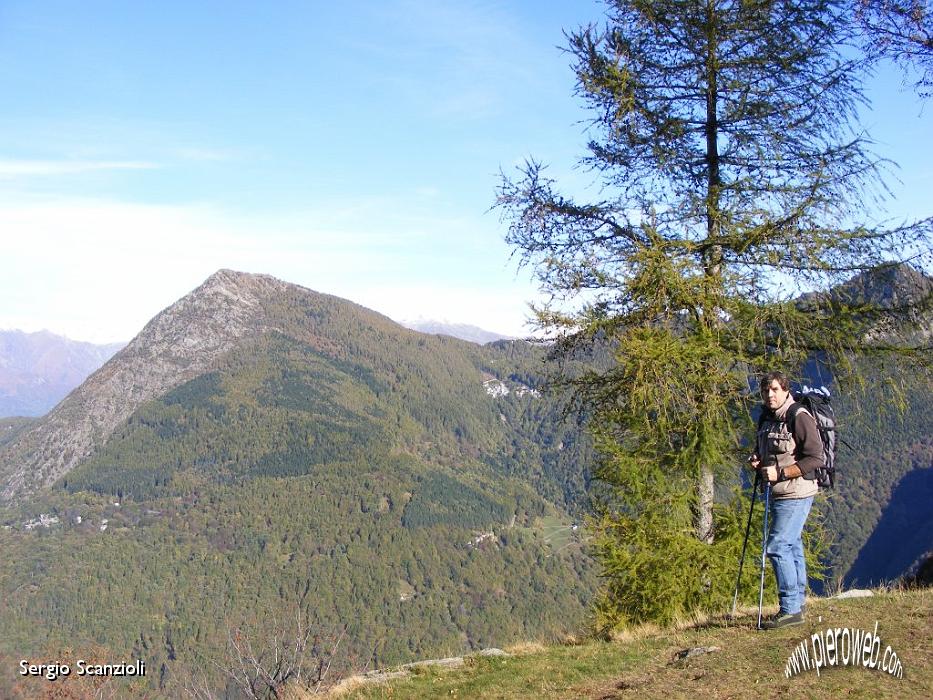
[
  {"x": 747, "y": 664},
  {"x": 557, "y": 532}
]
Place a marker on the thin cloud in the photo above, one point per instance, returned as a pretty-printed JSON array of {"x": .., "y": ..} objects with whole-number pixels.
[
  {"x": 41, "y": 168},
  {"x": 98, "y": 270}
]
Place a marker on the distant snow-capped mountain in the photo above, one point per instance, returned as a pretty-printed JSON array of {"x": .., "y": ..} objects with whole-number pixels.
[{"x": 463, "y": 331}]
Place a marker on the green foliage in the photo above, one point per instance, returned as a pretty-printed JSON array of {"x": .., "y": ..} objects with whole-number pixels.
[
  {"x": 441, "y": 499},
  {"x": 672, "y": 393},
  {"x": 371, "y": 481},
  {"x": 169, "y": 576},
  {"x": 653, "y": 566},
  {"x": 652, "y": 563}
]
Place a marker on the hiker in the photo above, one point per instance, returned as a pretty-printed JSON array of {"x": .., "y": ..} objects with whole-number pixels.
[{"x": 788, "y": 453}]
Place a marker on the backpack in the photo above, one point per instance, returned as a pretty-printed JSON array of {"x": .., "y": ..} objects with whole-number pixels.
[{"x": 817, "y": 403}]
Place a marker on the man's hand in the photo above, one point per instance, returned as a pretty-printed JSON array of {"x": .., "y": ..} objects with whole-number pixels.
[
  {"x": 769, "y": 474},
  {"x": 754, "y": 461}
]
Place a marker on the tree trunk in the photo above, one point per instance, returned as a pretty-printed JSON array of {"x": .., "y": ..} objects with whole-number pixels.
[
  {"x": 704, "y": 516},
  {"x": 704, "y": 525}
]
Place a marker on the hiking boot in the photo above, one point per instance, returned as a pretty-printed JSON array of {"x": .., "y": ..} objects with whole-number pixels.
[{"x": 782, "y": 620}]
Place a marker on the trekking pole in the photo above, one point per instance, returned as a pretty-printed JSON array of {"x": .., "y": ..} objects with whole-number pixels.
[
  {"x": 748, "y": 527},
  {"x": 764, "y": 545}
]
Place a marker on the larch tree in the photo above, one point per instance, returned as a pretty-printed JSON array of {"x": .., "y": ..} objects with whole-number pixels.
[
  {"x": 901, "y": 30},
  {"x": 732, "y": 176}
]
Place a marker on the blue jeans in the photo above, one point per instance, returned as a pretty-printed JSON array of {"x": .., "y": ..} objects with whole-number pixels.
[{"x": 785, "y": 550}]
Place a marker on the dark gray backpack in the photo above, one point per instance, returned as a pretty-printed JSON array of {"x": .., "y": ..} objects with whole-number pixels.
[{"x": 817, "y": 403}]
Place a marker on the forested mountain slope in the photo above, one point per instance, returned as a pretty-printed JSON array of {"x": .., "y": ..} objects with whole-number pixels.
[
  {"x": 887, "y": 426},
  {"x": 261, "y": 448}
]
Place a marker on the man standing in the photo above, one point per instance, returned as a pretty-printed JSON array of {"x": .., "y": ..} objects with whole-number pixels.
[{"x": 788, "y": 453}]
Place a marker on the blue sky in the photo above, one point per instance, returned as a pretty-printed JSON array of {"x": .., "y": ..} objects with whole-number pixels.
[{"x": 352, "y": 149}]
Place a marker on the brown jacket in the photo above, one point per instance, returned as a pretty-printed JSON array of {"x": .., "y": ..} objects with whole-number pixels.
[{"x": 778, "y": 445}]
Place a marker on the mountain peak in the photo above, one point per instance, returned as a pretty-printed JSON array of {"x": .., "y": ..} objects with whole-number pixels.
[
  {"x": 181, "y": 342},
  {"x": 888, "y": 286},
  {"x": 226, "y": 287},
  {"x": 187, "y": 339},
  {"x": 234, "y": 279}
]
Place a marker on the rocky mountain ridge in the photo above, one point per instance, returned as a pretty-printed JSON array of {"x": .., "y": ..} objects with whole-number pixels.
[
  {"x": 898, "y": 297},
  {"x": 180, "y": 343}
]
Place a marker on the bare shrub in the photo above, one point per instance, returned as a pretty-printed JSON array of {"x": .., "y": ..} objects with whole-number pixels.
[{"x": 286, "y": 658}]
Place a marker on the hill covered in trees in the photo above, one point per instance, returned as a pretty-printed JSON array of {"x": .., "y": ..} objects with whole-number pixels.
[
  {"x": 283, "y": 452},
  {"x": 418, "y": 491}
]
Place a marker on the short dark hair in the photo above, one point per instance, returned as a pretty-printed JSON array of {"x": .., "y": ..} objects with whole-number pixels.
[{"x": 781, "y": 378}]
